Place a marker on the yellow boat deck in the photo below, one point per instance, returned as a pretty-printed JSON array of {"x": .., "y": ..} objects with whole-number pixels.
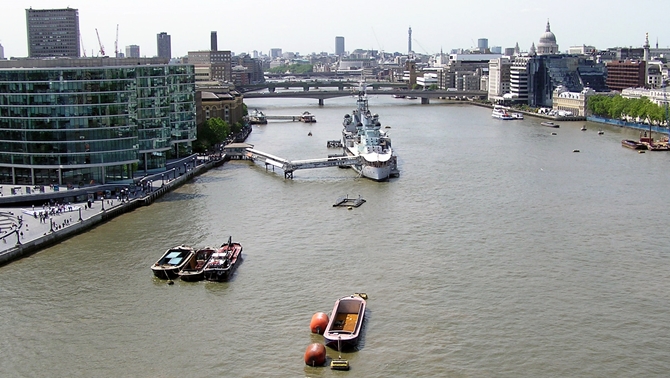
[{"x": 345, "y": 322}]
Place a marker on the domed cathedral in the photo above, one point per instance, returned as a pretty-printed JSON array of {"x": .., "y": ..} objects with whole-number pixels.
[{"x": 547, "y": 43}]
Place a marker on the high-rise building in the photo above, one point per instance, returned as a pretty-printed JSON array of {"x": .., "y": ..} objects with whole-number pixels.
[
  {"x": 275, "y": 53},
  {"x": 53, "y": 33},
  {"x": 626, "y": 74},
  {"x": 213, "y": 42},
  {"x": 482, "y": 44},
  {"x": 132, "y": 51},
  {"x": 164, "y": 45},
  {"x": 339, "y": 46},
  {"x": 409, "y": 41},
  {"x": 2, "y": 52},
  {"x": 93, "y": 120}
]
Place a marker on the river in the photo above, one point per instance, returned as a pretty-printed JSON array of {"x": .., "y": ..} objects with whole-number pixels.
[{"x": 498, "y": 252}]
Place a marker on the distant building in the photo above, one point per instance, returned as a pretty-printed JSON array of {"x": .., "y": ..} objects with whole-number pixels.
[
  {"x": 581, "y": 50},
  {"x": 164, "y": 45},
  {"x": 213, "y": 42},
  {"x": 132, "y": 51},
  {"x": 275, "y": 53},
  {"x": 657, "y": 96},
  {"x": 211, "y": 65},
  {"x": 573, "y": 102},
  {"x": 626, "y": 74},
  {"x": 2, "y": 52},
  {"x": 509, "y": 51},
  {"x": 339, "y": 46},
  {"x": 53, "y": 33},
  {"x": 499, "y": 78},
  {"x": 79, "y": 121},
  {"x": 482, "y": 44},
  {"x": 496, "y": 49}
]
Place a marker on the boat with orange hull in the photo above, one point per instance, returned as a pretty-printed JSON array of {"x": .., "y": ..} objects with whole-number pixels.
[
  {"x": 346, "y": 320},
  {"x": 223, "y": 262}
]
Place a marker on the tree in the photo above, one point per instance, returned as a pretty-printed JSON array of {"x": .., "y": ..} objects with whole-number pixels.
[{"x": 212, "y": 132}]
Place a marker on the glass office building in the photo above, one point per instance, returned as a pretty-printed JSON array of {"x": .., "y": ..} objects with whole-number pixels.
[{"x": 94, "y": 121}]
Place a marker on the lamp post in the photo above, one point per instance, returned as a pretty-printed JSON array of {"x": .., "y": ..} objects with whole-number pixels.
[
  {"x": 18, "y": 237},
  {"x": 51, "y": 223},
  {"x": 162, "y": 180},
  {"x": 103, "y": 203},
  {"x": 80, "y": 214}
]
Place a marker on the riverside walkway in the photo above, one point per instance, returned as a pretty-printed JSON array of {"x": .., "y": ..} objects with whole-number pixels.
[{"x": 24, "y": 232}]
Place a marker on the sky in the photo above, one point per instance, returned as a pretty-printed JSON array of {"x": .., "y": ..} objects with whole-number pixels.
[{"x": 307, "y": 26}]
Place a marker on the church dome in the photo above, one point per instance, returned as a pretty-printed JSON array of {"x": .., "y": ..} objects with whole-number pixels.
[
  {"x": 547, "y": 43},
  {"x": 548, "y": 38}
]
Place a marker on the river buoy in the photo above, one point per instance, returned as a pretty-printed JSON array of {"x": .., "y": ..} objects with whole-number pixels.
[
  {"x": 319, "y": 322},
  {"x": 315, "y": 355},
  {"x": 339, "y": 364},
  {"x": 575, "y": 150}
]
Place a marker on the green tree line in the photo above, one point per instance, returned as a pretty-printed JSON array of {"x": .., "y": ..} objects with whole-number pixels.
[
  {"x": 213, "y": 132},
  {"x": 617, "y": 107},
  {"x": 292, "y": 68}
]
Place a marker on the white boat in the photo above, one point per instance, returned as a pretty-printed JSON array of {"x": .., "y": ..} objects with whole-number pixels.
[
  {"x": 362, "y": 137},
  {"x": 517, "y": 115},
  {"x": 500, "y": 113}
]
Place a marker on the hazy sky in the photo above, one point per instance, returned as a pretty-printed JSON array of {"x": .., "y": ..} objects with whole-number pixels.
[{"x": 307, "y": 26}]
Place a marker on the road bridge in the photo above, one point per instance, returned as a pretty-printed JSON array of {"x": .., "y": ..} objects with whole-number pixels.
[
  {"x": 313, "y": 84},
  {"x": 322, "y": 95},
  {"x": 290, "y": 166}
]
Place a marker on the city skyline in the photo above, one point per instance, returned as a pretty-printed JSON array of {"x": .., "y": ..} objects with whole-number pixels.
[{"x": 262, "y": 24}]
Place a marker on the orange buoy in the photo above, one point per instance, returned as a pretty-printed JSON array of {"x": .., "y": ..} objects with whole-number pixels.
[
  {"x": 315, "y": 355},
  {"x": 319, "y": 322}
]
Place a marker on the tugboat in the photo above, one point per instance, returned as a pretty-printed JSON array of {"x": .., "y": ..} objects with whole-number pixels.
[{"x": 223, "y": 262}]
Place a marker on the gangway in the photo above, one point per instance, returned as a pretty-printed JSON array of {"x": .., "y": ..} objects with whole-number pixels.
[{"x": 290, "y": 166}]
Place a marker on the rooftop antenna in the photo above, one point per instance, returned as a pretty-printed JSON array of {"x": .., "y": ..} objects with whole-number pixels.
[{"x": 116, "y": 42}]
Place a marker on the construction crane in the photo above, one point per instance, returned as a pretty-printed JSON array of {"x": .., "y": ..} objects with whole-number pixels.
[
  {"x": 83, "y": 49},
  {"x": 116, "y": 42},
  {"x": 102, "y": 48}
]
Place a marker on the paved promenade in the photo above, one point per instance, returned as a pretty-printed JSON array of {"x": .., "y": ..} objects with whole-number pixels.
[{"x": 25, "y": 229}]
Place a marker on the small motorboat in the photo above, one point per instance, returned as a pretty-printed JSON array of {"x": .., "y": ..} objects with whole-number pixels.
[
  {"x": 633, "y": 144},
  {"x": 172, "y": 261},
  {"x": 309, "y": 133},
  {"x": 307, "y": 117},
  {"x": 600, "y": 132},
  {"x": 583, "y": 128},
  {"x": 550, "y": 124},
  {"x": 194, "y": 268},
  {"x": 346, "y": 320},
  {"x": 223, "y": 262}
]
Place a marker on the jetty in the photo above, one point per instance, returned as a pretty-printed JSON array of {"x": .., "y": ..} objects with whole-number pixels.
[
  {"x": 349, "y": 202},
  {"x": 290, "y": 166}
]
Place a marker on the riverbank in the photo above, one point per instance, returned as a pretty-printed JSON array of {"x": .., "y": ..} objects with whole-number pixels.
[
  {"x": 534, "y": 114},
  {"x": 24, "y": 233}
]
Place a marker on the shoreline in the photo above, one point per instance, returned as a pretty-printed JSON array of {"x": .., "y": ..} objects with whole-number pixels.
[{"x": 39, "y": 235}]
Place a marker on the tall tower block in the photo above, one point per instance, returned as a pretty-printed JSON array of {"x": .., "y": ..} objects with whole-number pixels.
[{"x": 409, "y": 41}]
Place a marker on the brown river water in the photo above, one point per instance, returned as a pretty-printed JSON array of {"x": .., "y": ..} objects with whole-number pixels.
[{"x": 498, "y": 252}]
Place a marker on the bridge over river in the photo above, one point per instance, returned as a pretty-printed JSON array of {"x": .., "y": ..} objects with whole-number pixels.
[{"x": 322, "y": 95}]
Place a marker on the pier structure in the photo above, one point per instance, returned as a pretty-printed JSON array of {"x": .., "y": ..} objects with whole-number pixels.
[{"x": 290, "y": 166}]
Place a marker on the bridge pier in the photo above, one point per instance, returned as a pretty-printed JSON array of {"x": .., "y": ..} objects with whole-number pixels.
[
  {"x": 271, "y": 89},
  {"x": 305, "y": 88},
  {"x": 288, "y": 175},
  {"x": 320, "y": 102},
  {"x": 425, "y": 100}
]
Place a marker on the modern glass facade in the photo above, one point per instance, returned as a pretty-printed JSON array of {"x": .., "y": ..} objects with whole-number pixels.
[{"x": 83, "y": 125}]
